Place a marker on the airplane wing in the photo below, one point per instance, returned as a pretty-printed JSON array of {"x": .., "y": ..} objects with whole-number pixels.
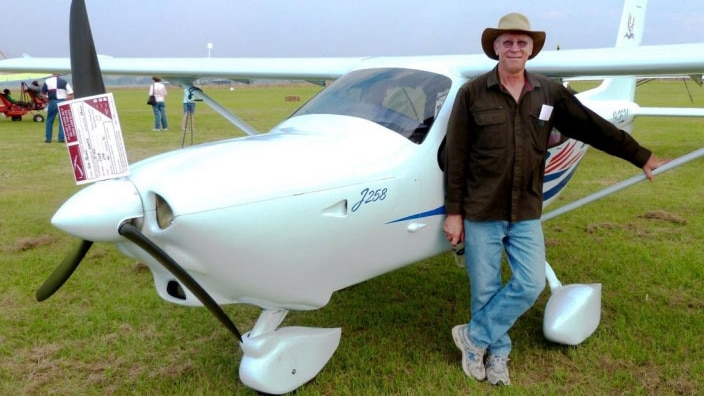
[
  {"x": 5, "y": 78},
  {"x": 682, "y": 59},
  {"x": 194, "y": 68},
  {"x": 621, "y": 61}
]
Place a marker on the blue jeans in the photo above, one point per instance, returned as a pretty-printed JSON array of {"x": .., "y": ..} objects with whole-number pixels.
[
  {"x": 496, "y": 307},
  {"x": 52, "y": 110},
  {"x": 160, "y": 115},
  {"x": 189, "y": 107}
]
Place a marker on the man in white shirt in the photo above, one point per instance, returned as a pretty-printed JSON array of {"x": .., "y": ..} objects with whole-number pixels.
[{"x": 55, "y": 90}]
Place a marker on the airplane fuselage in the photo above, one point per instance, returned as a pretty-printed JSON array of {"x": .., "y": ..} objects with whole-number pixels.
[{"x": 348, "y": 188}]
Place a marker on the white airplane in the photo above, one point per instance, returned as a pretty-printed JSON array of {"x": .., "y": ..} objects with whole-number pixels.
[{"x": 347, "y": 188}]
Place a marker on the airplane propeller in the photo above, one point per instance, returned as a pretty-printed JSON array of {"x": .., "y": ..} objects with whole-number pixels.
[
  {"x": 133, "y": 233},
  {"x": 88, "y": 81},
  {"x": 85, "y": 70},
  {"x": 63, "y": 271}
]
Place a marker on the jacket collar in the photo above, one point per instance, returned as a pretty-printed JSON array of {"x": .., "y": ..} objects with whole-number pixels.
[{"x": 493, "y": 80}]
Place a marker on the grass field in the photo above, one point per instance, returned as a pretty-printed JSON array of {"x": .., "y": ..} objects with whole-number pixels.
[{"x": 107, "y": 332}]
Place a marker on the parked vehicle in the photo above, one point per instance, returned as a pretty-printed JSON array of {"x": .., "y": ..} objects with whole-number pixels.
[{"x": 30, "y": 102}]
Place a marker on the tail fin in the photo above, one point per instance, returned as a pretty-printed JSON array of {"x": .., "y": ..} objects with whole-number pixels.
[
  {"x": 630, "y": 31},
  {"x": 630, "y": 34}
]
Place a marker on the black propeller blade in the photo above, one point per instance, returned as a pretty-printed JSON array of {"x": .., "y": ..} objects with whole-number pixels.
[
  {"x": 63, "y": 271},
  {"x": 85, "y": 71},
  {"x": 87, "y": 81},
  {"x": 132, "y": 233}
]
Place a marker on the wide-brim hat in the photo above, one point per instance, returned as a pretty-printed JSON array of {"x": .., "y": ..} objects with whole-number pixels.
[{"x": 511, "y": 23}]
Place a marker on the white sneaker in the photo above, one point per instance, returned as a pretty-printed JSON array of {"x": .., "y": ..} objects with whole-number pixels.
[
  {"x": 472, "y": 355},
  {"x": 497, "y": 370}
]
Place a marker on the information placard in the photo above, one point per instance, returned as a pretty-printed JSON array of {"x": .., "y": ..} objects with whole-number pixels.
[{"x": 94, "y": 138}]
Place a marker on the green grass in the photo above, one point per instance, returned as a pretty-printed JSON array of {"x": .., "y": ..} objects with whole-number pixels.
[{"x": 107, "y": 332}]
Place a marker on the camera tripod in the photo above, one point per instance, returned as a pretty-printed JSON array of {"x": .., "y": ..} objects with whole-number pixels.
[{"x": 188, "y": 126}]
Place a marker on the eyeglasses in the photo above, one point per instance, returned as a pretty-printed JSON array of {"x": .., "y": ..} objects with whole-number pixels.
[{"x": 508, "y": 44}]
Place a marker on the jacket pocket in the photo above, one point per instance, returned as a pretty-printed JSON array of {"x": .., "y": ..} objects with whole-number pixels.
[
  {"x": 492, "y": 129},
  {"x": 490, "y": 117},
  {"x": 540, "y": 134}
]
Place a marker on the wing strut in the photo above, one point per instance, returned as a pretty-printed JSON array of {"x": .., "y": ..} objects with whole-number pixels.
[
  {"x": 230, "y": 116},
  {"x": 626, "y": 183}
]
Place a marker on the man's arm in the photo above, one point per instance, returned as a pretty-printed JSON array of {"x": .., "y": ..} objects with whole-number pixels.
[
  {"x": 455, "y": 167},
  {"x": 575, "y": 120},
  {"x": 456, "y": 154}
]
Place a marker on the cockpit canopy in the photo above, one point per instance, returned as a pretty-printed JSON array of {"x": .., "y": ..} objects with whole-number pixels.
[{"x": 403, "y": 100}]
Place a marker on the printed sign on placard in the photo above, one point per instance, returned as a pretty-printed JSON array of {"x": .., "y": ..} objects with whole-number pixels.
[{"x": 94, "y": 138}]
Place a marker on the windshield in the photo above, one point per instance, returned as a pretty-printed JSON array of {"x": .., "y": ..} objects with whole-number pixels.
[{"x": 403, "y": 100}]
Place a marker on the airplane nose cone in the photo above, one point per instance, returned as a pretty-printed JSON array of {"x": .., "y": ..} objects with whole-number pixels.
[{"x": 96, "y": 212}]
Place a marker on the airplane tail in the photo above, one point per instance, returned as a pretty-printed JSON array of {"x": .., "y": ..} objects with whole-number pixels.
[
  {"x": 630, "y": 34},
  {"x": 630, "y": 31}
]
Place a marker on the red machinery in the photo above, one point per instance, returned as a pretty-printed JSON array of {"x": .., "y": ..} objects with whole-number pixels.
[{"x": 30, "y": 101}]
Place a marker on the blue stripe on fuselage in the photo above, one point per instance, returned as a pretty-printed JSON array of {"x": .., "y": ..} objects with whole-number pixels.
[
  {"x": 556, "y": 190},
  {"x": 546, "y": 195},
  {"x": 429, "y": 213}
]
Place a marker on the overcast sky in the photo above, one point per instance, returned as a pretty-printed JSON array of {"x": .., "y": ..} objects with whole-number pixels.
[{"x": 288, "y": 28}]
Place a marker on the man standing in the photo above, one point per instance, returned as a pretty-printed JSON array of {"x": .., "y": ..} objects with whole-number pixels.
[
  {"x": 55, "y": 90},
  {"x": 189, "y": 108},
  {"x": 497, "y": 140}
]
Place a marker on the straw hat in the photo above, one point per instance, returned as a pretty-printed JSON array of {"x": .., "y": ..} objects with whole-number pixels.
[{"x": 513, "y": 22}]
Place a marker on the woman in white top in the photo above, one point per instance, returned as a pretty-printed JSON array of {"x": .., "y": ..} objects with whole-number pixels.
[{"x": 159, "y": 91}]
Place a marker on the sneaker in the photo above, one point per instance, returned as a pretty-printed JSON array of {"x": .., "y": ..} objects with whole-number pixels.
[
  {"x": 166, "y": 129},
  {"x": 472, "y": 355},
  {"x": 497, "y": 370},
  {"x": 155, "y": 130}
]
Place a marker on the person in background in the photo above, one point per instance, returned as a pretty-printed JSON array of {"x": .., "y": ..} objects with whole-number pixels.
[
  {"x": 8, "y": 95},
  {"x": 34, "y": 91},
  {"x": 55, "y": 90},
  {"x": 189, "y": 108},
  {"x": 159, "y": 91},
  {"x": 34, "y": 87},
  {"x": 497, "y": 140}
]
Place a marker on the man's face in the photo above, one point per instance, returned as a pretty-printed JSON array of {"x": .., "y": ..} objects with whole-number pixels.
[{"x": 513, "y": 50}]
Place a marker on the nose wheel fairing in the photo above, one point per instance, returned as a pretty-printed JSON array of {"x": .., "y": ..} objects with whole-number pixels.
[{"x": 278, "y": 361}]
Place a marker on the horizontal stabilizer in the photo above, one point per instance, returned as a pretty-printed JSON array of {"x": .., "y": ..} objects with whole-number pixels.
[{"x": 671, "y": 112}]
